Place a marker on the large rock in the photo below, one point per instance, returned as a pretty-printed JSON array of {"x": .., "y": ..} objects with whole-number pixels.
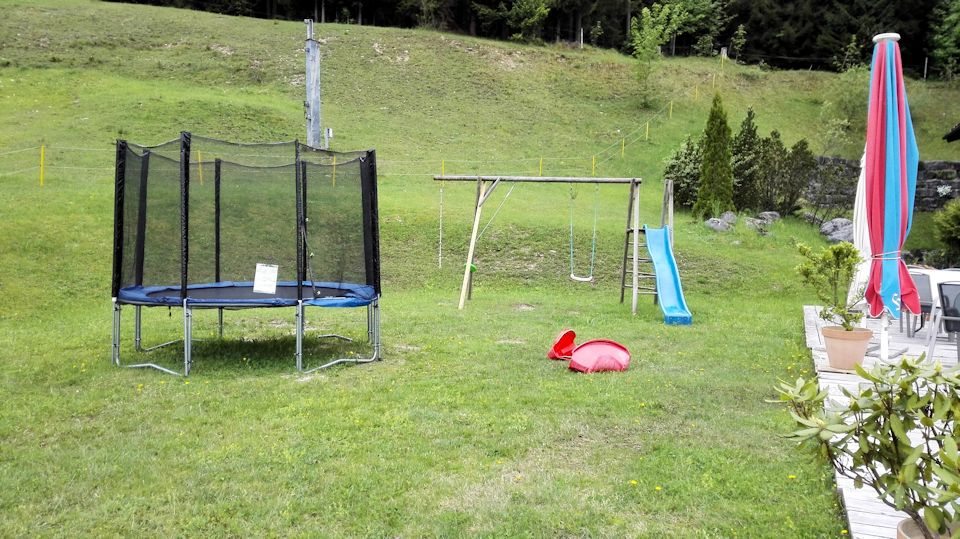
[
  {"x": 729, "y": 217},
  {"x": 837, "y": 230},
  {"x": 769, "y": 216},
  {"x": 760, "y": 225},
  {"x": 718, "y": 225}
]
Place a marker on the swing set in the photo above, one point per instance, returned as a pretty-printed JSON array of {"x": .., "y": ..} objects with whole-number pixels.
[{"x": 487, "y": 184}]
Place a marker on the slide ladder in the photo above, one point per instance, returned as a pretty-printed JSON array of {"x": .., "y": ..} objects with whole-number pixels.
[{"x": 669, "y": 291}]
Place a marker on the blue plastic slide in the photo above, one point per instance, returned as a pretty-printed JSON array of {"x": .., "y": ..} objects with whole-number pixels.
[{"x": 669, "y": 291}]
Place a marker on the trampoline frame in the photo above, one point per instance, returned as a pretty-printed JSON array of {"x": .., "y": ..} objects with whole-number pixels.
[
  {"x": 373, "y": 337},
  {"x": 178, "y": 295}
]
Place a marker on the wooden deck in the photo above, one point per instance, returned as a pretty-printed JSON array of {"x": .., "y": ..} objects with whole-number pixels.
[{"x": 867, "y": 516}]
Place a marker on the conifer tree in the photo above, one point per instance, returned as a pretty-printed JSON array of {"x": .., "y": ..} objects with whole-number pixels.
[
  {"x": 716, "y": 174},
  {"x": 746, "y": 165}
]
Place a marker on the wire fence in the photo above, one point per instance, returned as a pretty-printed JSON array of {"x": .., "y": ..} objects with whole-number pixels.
[{"x": 40, "y": 160}]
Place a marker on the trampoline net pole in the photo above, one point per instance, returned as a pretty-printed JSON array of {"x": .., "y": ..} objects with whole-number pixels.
[
  {"x": 119, "y": 181},
  {"x": 184, "y": 212}
]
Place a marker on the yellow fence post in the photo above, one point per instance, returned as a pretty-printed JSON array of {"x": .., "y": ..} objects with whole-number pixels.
[
  {"x": 623, "y": 147},
  {"x": 541, "y": 166},
  {"x": 646, "y": 134},
  {"x": 334, "y": 171},
  {"x": 593, "y": 168},
  {"x": 43, "y": 148},
  {"x": 443, "y": 172},
  {"x": 671, "y": 110},
  {"x": 714, "y": 80},
  {"x": 200, "y": 166},
  {"x": 696, "y": 92}
]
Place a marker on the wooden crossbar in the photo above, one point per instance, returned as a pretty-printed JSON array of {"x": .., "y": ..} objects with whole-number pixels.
[{"x": 536, "y": 179}]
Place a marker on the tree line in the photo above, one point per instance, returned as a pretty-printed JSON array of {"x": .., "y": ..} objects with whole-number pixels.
[{"x": 821, "y": 34}]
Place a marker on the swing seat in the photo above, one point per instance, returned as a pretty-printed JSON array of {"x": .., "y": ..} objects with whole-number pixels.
[{"x": 587, "y": 279}]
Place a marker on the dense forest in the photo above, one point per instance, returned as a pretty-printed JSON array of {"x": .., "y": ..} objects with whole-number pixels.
[{"x": 819, "y": 34}]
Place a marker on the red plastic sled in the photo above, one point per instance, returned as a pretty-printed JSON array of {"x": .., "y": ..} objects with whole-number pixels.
[
  {"x": 563, "y": 345},
  {"x": 600, "y": 355}
]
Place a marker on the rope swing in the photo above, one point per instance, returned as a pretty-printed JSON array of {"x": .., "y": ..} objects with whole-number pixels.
[{"x": 593, "y": 247}]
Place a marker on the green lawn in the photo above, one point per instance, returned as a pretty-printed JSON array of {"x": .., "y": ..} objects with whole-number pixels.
[{"x": 464, "y": 428}]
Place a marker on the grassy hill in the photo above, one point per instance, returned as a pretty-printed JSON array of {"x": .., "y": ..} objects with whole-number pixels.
[{"x": 464, "y": 428}]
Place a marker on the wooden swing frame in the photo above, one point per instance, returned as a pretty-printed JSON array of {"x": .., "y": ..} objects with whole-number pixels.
[{"x": 486, "y": 186}]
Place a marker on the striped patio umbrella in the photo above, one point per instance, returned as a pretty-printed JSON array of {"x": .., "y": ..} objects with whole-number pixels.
[{"x": 891, "y": 180}]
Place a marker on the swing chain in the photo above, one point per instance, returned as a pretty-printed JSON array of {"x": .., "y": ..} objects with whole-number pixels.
[{"x": 593, "y": 248}]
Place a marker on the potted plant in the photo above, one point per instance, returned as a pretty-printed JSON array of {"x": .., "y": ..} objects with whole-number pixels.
[
  {"x": 830, "y": 272},
  {"x": 897, "y": 434}
]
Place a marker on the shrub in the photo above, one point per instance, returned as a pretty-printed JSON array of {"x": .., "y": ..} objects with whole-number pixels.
[
  {"x": 946, "y": 223},
  {"x": 829, "y": 272},
  {"x": 704, "y": 46},
  {"x": 869, "y": 436},
  {"x": 844, "y": 108},
  {"x": 773, "y": 155},
  {"x": 798, "y": 169},
  {"x": 738, "y": 41},
  {"x": 832, "y": 191},
  {"x": 683, "y": 167},
  {"x": 715, "y": 195}
]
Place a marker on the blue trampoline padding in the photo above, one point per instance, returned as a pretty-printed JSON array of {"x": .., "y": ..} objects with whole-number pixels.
[{"x": 241, "y": 294}]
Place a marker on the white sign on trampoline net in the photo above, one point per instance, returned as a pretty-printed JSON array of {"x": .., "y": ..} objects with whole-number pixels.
[{"x": 265, "y": 280}]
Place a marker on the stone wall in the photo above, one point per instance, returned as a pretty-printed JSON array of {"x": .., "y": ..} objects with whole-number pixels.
[{"x": 937, "y": 182}]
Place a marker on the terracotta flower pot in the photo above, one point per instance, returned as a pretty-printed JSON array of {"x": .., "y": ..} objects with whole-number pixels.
[
  {"x": 908, "y": 529},
  {"x": 846, "y": 349}
]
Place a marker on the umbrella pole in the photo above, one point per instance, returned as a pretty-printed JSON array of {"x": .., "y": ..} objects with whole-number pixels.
[{"x": 884, "y": 336}]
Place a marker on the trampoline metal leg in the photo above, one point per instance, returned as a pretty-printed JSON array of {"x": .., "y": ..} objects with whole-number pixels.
[
  {"x": 116, "y": 333},
  {"x": 373, "y": 330},
  {"x": 220, "y": 321},
  {"x": 299, "y": 324},
  {"x": 116, "y": 345},
  {"x": 137, "y": 332},
  {"x": 187, "y": 337},
  {"x": 370, "y": 309}
]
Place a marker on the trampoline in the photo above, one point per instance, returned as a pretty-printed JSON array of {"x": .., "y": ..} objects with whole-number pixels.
[{"x": 206, "y": 224}]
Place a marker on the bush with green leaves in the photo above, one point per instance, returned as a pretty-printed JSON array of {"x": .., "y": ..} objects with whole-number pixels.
[
  {"x": 799, "y": 168},
  {"x": 715, "y": 195},
  {"x": 648, "y": 33},
  {"x": 738, "y": 41},
  {"x": 829, "y": 272},
  {"x": 895, "y": 434},
  {"x": 704, "y": 46},
  {"x": 773, "y": 156},
  {"x": 683, "y": 167},
  {"x": 831, "y": 192},
  {"x": 946, "y": 225},
  {"x": 844, "y": 109}
]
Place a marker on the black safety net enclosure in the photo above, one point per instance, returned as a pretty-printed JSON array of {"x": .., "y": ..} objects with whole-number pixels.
[{"x": 204, "y": 223}]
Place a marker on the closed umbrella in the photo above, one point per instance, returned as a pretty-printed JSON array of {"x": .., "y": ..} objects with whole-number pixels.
[
  {"x": 890, "y": 170},
  {"x": 861, "y": 240}
]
